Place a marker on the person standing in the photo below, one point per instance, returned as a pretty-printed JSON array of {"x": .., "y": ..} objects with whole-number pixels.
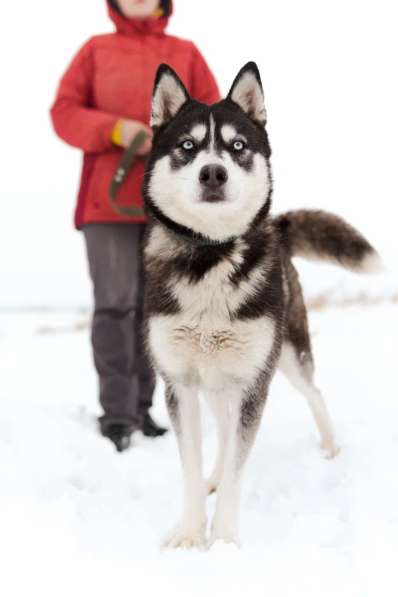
[{"x": 103, "y": 101}]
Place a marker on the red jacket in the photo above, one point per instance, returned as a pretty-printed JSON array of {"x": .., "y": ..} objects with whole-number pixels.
[{"x": 110, "y": 78}]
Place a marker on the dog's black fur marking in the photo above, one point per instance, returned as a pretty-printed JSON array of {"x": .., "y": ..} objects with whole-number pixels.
[
  {"x": 253, "y": 255},
  {"x": 265, "y": 299},
  {"x": 201, "y": 261},
  {"x": 228, "y": 112},
  {"x": 159, "y": 298}
]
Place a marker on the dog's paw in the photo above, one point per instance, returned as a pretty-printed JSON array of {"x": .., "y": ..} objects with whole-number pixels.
[
  {"x": 186, "y": 537},
  {"x": 330, "y": 449},
  {"x": 222, "y": 533}
]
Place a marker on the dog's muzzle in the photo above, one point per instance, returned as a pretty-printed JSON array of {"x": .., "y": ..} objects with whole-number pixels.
[{"x": 212, "y": 179}]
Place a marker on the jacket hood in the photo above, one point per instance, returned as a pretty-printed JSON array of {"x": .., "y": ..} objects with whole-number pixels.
[{"x": 151, "y": 26}]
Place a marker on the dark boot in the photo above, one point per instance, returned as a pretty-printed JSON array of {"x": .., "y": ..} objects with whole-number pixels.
[
  {"x": 150, "y": 428},
  {"x": 119, "y": 434}
]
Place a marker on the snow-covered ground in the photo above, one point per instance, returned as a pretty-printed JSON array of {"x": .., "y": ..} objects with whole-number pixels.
[{"x": 76, "y": 518}]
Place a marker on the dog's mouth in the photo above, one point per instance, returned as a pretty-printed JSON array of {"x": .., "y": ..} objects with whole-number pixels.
[{"x": 212, "y": 196}]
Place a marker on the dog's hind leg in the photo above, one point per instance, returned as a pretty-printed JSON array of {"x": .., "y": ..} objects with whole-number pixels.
[
  {"x": 244, "y": 415},
  {"x": 296, "y": 360},
  {"x": 219, "y": 406},
  {"x": 299, "y": 370},
  {"x": 183, "y": 407}
]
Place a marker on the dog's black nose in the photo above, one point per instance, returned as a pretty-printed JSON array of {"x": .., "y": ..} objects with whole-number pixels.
[{"x": 213, "y": 176}]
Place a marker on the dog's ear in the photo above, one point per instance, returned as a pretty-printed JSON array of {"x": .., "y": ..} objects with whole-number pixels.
[
  {"x": 169, "y": 95},
  {"x": 247, "y": 92}
]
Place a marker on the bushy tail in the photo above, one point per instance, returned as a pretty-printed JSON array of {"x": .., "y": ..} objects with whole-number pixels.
[{"x": 321, "y": 236}]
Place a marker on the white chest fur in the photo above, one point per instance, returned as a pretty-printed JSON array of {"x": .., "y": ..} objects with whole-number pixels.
[{"x": 203, "y": 344}]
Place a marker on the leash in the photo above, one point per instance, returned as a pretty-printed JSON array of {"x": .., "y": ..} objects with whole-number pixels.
[{"x": 121, "y": 172}]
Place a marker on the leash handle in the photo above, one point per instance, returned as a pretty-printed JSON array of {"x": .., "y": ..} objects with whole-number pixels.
[{"x": 121, "y": 172}]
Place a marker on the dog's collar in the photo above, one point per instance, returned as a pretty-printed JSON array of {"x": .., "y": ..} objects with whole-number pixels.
[{"x": 195, "y": 238}]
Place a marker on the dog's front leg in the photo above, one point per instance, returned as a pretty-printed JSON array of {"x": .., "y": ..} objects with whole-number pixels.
[
  {"x": 244, "y": 415},
  {"x": 183, "y": 407},
  {"x": 218, "y": 403}
]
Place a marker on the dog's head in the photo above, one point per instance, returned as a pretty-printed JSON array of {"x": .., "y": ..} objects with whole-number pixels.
[{"x": 209, "y": 167}]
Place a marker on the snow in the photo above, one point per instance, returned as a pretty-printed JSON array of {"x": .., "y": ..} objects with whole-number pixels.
[{"x": 78, "y": 518}]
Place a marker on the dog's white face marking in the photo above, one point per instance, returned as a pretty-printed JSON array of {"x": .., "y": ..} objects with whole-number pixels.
[
  {"x": 177, "y": 193},
  {"x": 212, "y": 136},
  {"x": 198, "y": 133},
  {"x": 228, "y": 133}
]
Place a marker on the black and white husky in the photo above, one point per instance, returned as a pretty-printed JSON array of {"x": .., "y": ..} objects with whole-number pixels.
[{"x": 224, "y": 303}]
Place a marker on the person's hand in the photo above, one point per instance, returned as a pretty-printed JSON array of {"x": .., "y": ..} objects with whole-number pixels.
[{"x": 129, "y": 129}]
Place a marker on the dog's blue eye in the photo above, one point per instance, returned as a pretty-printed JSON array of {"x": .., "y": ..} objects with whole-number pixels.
[
  {"x": 238, "y": 145},
  {"x": 188, "y": 145}
]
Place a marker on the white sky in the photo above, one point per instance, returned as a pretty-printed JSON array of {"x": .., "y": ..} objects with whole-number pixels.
[{"x": 329, "y": 73}]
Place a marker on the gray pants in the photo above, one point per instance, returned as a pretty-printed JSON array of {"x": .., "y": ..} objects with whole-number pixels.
[{"x": 126, "y": 379}]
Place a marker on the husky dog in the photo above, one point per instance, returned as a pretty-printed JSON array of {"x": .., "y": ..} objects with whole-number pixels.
[{"x": 224, "y": 306}]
